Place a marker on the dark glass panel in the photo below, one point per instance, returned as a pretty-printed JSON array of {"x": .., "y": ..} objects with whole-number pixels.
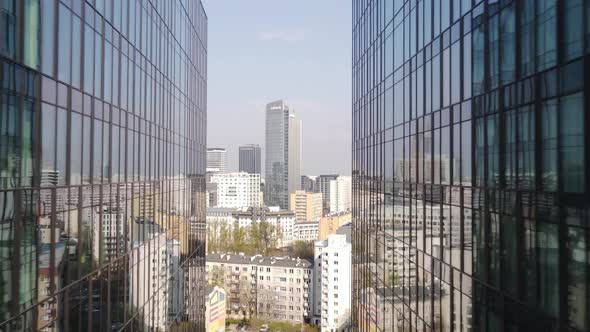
[
  {"x": 508, "y": 44},
  {"x": 64, "y": 60},
  {"x": 546, "y": 19},
  {"x": 573, "y": 36},
  {"x": 549, "y": 144},
  {"x": 527, "y": 37},
  {"x": 572, "y": 142}
]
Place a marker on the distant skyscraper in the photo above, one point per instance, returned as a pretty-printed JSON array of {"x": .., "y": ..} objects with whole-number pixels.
[
  {"x": 283, "y": 154},
  {"x": 308, "y": 183},
  {"x": 250, "y": 161},
  {"x": 216, "y": 160},
  {"x": 322, "y": 185}
]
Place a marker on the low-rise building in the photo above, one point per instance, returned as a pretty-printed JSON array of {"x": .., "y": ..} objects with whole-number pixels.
[
  {"x": 330, "y": 223},
  {"x": 306, "y": 231},
  {"x": 282, "y": 220},
  {"x": 236, "y": 190},
  {"x": 276, "y": 288}
]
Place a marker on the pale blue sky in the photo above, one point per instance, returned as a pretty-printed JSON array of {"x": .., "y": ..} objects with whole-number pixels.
[{"x": 298, "y": 50}]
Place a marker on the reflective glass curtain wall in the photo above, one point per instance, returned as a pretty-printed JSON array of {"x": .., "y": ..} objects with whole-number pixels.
[
  {"x": 102, "y": 163},
  {"x": 470, "y": 151}
]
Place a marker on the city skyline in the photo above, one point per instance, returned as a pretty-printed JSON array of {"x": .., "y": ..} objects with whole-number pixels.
[{"x": 286, "y": 51}]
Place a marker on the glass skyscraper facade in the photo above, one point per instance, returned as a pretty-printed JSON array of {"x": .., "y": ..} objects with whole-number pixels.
[
  {"x": 102, "y": 163},
  {"x": 470, "y": 151},
  {"x": 250, "y": 159},
  {"x": 282, "y": 154}
]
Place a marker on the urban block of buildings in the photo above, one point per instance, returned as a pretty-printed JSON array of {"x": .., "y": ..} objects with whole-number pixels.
[{"x": 273, "y": 288}]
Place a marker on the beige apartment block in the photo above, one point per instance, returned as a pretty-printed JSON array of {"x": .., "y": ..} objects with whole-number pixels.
[
  {"x": 307, "y": 206},
  {"x": 330, "y": 224}
]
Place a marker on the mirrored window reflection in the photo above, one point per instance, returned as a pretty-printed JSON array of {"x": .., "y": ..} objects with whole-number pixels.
[
  {"x": 76, "y": 51},
  {"x": 546, "y": 41},
  {"x": 572, "y": 142},
  {"x": 64, "y": 66}
]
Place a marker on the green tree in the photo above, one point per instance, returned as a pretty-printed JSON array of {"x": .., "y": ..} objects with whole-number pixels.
[{"x": 302, "y": 249}]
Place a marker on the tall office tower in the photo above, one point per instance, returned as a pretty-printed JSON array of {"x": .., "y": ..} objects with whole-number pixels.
[
  {"x": 322, "y": 185},
  {"x": 308, "y": 183},
  {"x": 283, "y": 154},
  {"x": 470, "y": 121},
  {"x": 99, "y": 101},
  {"x": 250, "y": 161},
  {"x": 216, "y": 160},
  {"x": 340, "y": 193}
]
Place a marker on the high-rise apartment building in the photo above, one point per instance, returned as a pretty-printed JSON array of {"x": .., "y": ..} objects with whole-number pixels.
[
  {"x": 307, "y": 206},
  {"x": 216, "y": 160},
  {"x": 340, "y": 194},
  {"x": 283, "y": 154},
  {"x": 237, "y": 190},
  {"x": 332, "y": 284},
  {"x": 250, "y": 159},
  {"x": 322, "y": 185},
  {"x": 470, "y": 152},
  {"x": 99, "y": 100}
]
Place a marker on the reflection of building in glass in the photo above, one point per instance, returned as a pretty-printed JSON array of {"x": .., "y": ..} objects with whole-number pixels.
[
  {"x": 470, "y": 189},
  {"x": 102, "y": 122}
]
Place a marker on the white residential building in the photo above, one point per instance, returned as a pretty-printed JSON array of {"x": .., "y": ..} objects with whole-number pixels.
[
  {"x": 332, "y": 283},
  {"x": 216, "y": 160},
  {"x": 275, "y": 288},
  {"x": 236, "y": 190},
  {"x": 340, "y": 193},
  {"x": 306, "y": 231}
]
